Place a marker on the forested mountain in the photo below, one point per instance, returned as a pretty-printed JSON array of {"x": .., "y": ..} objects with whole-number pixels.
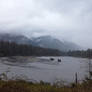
[
  {"x": 43, "y": 41},
  {"x": 16, "y": 45}
]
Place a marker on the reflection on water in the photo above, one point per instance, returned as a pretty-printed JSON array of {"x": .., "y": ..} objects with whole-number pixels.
[{"x": 42, "y": 68}]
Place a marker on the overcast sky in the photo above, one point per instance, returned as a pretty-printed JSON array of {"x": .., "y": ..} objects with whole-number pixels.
[{"x": 65, "y": 19}]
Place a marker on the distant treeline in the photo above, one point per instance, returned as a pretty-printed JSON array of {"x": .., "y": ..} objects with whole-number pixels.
[
  {"x": 80, "y": 53},
  {"x": 13, "y": 49}
]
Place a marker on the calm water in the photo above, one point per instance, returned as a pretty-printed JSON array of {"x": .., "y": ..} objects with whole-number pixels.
[{"x": 42, "y": 68}]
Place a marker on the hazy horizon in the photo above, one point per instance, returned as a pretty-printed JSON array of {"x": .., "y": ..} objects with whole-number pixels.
[{"x": 64, "y": 19}]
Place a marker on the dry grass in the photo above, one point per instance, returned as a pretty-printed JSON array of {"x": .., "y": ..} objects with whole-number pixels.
[{"x": 22, "y": 86}]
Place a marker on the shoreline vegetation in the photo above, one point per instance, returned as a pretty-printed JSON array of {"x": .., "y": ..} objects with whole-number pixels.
[
  {"x": 80, "y": 53},
  {"x": 23, "y": 86}
]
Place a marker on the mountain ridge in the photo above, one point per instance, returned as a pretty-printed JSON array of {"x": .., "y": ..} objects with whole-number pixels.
[
  {"x": 51, "y": 42},
  {"x": 42, "y": 41}
]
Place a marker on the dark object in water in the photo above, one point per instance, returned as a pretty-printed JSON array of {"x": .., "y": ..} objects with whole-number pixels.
[
  {"x": 51, "y": 59},
  {"x": 59, "y": 60}
]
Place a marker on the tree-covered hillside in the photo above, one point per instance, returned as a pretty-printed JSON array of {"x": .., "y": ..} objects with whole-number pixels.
[{"x": 13, "y": 49}]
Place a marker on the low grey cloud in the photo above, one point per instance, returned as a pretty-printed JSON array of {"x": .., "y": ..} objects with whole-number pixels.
[{"x": 65, "y": 19}]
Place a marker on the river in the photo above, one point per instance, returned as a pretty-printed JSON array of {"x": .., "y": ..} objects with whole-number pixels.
[{"x": 42, "y": 68}]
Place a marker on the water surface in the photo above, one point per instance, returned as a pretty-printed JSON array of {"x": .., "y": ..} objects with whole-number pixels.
[{"x": 42, "y": 68}]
